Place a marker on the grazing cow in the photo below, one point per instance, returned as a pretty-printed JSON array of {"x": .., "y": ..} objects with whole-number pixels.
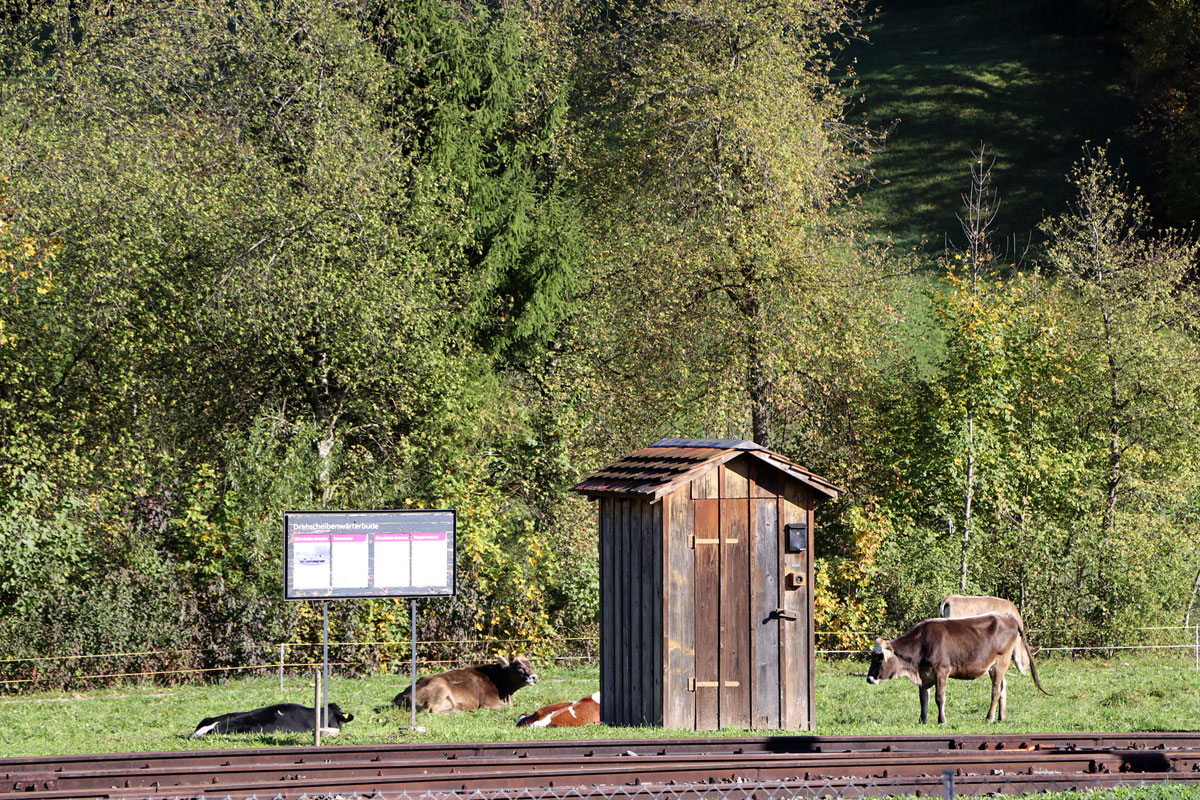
[
  {"x": 584, "y": 711},
  {"x": 961, "y": 605},
  {"x": 469, "y": 688},
  {"x": 284, "y": 717},
  {"x": 937, "y": 649}
]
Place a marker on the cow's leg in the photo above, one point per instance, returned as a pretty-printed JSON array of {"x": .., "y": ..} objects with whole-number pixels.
[
  {"x": 996, "y": 683},
  {"x": 999, "y": 687},
  {"x": 940, "y": 696},
  {"x": 924, "y": 692}
]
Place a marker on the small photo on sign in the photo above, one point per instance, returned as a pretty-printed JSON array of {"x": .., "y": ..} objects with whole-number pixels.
[{"x": 311, "y": 554}]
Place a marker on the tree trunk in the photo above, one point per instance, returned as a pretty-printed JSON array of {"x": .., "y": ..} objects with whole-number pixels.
[
  {"x": 324, "y": 453},
  {"x": 758, "y": 379}
]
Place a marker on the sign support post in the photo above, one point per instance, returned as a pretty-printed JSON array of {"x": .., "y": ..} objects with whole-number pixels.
[
  {"x": 412, "y": 696},
  {"x": 325, "y": 659}
]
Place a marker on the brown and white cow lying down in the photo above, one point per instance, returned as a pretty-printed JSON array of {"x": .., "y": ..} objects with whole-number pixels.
[
  {"x": 956, "y": 606},
  {"x": 469, "y": 688},
  {"x": 937, "y": 649},
  {"x": 584, "y": 711}
]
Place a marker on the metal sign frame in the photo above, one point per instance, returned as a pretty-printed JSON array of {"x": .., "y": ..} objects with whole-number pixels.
[
  {"x": 348, "y": 546},
  {"x": 340, "y": 555}
]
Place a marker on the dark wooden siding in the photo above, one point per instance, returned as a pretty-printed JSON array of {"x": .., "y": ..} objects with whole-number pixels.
[
  {"x": 608, "y": 619},
  {"x": 631, "y": 595}
]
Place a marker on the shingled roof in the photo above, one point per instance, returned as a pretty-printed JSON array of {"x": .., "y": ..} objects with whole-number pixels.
[{"x": 663, "y": 466}]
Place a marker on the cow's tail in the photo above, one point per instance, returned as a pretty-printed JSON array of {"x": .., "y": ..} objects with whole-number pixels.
[{"x": 1032, "y": 666}]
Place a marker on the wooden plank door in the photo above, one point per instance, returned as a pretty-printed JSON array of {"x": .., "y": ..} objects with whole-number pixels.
[
  {"x": 708, "y": 620},
  {"x": 735, "y": 614},
  {"x": 796, "y": 647},
  {"x": 769, "y": 626}
]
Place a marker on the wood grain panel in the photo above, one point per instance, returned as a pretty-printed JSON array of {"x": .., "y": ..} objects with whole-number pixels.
[
  {"x": 795, "y": 665},
  {"x": 764, "y": 583},
  {"x": 704, "y": 487},
  {"x": 707, "y": 588},
  {"x": 737, "y": 477},
  {"x": 679, "y": 702},
  {"x": 810, "y": 619},
  {"x": 735, "y": 613},
  {"x": 766, "y": 480}
]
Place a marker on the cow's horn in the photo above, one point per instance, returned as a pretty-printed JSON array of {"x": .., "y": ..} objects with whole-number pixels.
[{"x": 502, "y": 661}]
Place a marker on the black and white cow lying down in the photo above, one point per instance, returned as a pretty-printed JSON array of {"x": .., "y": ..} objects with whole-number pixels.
[{"x": 280, "y": 718}]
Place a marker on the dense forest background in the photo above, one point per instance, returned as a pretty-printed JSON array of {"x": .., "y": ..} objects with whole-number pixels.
[{"x": 259, "y": 255}]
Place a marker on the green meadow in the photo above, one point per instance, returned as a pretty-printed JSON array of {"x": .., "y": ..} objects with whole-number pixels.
[{"x": 1129, "y": 694}]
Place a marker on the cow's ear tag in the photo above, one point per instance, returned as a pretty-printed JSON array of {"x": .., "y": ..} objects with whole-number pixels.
[{"x": 884, "y": 649}]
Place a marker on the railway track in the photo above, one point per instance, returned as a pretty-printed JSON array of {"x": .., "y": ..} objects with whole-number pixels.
[{"x": 666, "y": 769}]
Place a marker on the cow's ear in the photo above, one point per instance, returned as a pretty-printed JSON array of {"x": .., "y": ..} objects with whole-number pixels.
[
  {"x": 887, "y": 651},
  {"x": 502, "y": 661}
]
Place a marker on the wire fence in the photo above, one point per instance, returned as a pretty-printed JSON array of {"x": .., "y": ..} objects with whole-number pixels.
[
  {"x": 947, "y": 785},
  {"x": 25, "y": 673}
]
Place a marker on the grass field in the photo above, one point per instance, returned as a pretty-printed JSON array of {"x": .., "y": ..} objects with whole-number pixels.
[
  {"x": 1088, "y": 695},
  {"x": 959, "y": 74}
]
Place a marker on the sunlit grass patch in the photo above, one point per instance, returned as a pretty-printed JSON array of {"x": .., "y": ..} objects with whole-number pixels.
[{"x": 1130, "y": 694}]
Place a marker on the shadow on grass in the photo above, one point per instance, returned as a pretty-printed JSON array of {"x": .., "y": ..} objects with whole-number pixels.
[{"x": 960, "y": 74}]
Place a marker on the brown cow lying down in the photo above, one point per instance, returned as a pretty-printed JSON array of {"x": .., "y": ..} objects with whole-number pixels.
[
  {"x": 469, "y": 688},
  {"x": 955, "y": 606},
  {"x": 937, "y": 649},
  {"x": 584, "y": 711}
]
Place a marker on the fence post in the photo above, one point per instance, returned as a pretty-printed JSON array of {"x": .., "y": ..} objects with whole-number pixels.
[
  {"x": 281, "y": 646},
  {"x": 947, "y": 784},
  {"x": 1197, "y": 632}
]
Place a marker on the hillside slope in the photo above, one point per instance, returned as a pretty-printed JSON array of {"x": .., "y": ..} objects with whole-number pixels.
[{"x": 957, "y": 74}]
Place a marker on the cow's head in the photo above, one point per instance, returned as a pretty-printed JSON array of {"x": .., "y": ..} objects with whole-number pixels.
[
  {"x": 883, "y": 663},
  {"x": 519, "y": 669},
  {"x": 336, "y": 718}
]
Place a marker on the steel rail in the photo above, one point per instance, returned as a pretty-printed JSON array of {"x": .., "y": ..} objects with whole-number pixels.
[{"x": 495, "y": 766}]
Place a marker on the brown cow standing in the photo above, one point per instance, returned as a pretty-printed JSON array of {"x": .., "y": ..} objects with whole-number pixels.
[
  {"x": 937, "y": 649},
  {"x": 469, "y": 688},
  {"x": 584, "y": 711},
  {"x": 956, "y": 606}
]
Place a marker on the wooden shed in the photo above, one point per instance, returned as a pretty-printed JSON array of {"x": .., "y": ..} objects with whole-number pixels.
[{"x": 706, "y": 605}]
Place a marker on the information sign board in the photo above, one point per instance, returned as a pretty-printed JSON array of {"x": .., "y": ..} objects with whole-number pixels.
[{"x": 348, "y": 554}]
